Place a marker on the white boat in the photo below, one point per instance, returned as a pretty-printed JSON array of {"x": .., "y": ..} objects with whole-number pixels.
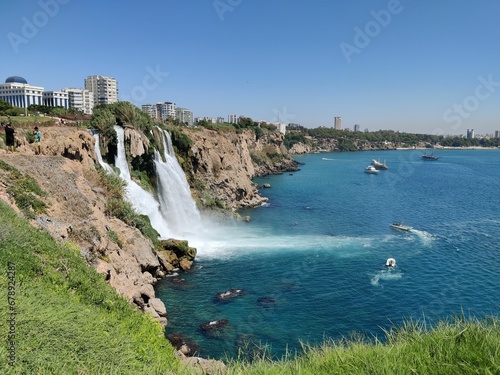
[
  {"x": 400, "y": 226},
  {"x": 390, "y": 262},
  {"x": 371, "y": 169},
  {"x": 378, "y": 165}
]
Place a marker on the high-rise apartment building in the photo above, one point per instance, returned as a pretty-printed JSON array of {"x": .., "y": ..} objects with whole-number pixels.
[
  {"x": 337, "y": 123},
  {"x": 184, "y": 115},
  {"x": 105, "y": 89},
  {"x": 165, "y": 110},
  {"x": 497, "y": 133},
  {"x": 471, "y": 134},
  {"x": 232, "y": 118},
  {"x": 80, "y": 99},
  {"x": 150, "y": 109},
  {"x": 357, "y": 128}
]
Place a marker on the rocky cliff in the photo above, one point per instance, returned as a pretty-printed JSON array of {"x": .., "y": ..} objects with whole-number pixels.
[{"x": 221, "y": 165}]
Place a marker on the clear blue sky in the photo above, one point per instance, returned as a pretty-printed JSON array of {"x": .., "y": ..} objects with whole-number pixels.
[{"x": 421, "y": 66}]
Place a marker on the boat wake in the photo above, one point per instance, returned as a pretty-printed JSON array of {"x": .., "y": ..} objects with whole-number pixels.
[
  {"x": 327, "y": 159},
  {"x": 386, "y": 275},
  {"x": 424, "y": 236}
]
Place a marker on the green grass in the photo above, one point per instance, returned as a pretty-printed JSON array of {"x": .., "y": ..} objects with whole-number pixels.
[
  {"x": 24, "y": 189},
  {"x": 28, "y": 121},
  {"x": 68, "y": 319},
  {"x": 460, "y": 346}
]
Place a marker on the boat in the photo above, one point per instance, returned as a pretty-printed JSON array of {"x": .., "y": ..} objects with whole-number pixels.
[
  {"x": 425, "y": 156},
  {"x": 378, "y": 165},
  {"x": 371, "y": 169},
  {"x": 400, "y": 226},
  {"x": 390, "y": 262}
]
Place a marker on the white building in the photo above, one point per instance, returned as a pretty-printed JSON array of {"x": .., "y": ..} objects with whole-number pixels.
[
  {"x": 105, "y": 89},
  {"x": 184, "y": 115},
  {"x": 337, "y": 123},
  {"x": 165, "y": 109},
  {"x": 232, "y": 118},
  {"x": 80, "y": 99},
  {"x": 281, "y": 126},
  {"x": 18, "y": 93},
  {"x": 55, "y": 99},
  {"x": 150, "y": 109}
]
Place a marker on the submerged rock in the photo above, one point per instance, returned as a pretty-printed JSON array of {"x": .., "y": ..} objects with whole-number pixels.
[
  {"x": 185, "y": 345},
  {"x": 266, "y": 302},
  {"x": 229, "y": 295},
  {"x": 214, "y": 326}
]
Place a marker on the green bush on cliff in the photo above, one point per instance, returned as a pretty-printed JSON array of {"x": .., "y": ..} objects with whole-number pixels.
[
  {"x": 180, "y": 141},
  {"x": 63, "y": 317},
  {"x": 25, "y": 191}
]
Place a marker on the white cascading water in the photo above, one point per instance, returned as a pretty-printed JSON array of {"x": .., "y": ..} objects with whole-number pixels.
[
  {"x": 97, "y": 149},
  {"x": 142, "y": 201},
  {"x": 176, "y": 203}
]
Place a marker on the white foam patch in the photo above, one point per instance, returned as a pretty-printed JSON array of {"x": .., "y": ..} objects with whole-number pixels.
[
  {"x": 240, "y": 240},
  {"x": 424, "y": 236},
  {"x": 386, "y": 275}
]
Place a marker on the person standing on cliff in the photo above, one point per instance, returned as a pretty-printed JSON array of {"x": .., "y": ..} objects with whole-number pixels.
[
  {"x": 9, "y": 137},
  {"x": 38, "y": 140}
]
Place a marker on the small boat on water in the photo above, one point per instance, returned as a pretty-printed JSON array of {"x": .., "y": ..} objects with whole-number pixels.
[
  {"x": 431, "y": 156},
  {"x": 390, "y": 262},
  {"x": 400, "y": 226},
  {"x": 378, "y": 165},
  {"x": 371, "y": 169}
]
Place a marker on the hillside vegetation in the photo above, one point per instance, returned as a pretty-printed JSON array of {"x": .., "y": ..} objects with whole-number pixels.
[{"x": 60, "y": 317}]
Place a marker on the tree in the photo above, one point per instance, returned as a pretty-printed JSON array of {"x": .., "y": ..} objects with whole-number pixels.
[
  {"x": 103, "y": 120},
  {"x": 4, "y": 106}
]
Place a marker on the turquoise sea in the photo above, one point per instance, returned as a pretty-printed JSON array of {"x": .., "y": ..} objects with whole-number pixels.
[{"x": 317, "y": 253}]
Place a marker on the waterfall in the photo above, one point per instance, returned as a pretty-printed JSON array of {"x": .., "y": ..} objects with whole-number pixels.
[
  {"x": 142, "y": 201},
  {"x": 105, "y": 166},
  {"x": 176, "y": 203}
]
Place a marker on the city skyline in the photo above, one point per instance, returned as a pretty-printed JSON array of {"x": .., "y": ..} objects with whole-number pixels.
[{"x": 419, "y": 67}]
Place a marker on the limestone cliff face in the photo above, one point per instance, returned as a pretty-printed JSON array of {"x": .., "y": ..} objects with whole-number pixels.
[
  {"x": 77, "y": 212},
  {"x": 225, "y": 164}
]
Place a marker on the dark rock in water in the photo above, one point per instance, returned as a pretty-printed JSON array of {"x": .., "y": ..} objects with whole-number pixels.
[
  {"x": 266, "y": 302},
  {"x": 214, "y": 326},
  {"x": 229, "y": 295},
  {"x": 186, "y": 345}
]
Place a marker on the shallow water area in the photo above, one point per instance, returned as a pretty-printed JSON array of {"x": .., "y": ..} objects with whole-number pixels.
[{"x": 311, "y": 263}]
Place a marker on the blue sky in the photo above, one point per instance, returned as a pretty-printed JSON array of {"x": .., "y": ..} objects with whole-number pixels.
[{"x": 419, "y": 66}]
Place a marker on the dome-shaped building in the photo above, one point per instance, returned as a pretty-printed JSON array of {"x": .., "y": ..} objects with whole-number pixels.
[
  {"x": 16, "y": 79},
  {"x": 18, "y": 93}
]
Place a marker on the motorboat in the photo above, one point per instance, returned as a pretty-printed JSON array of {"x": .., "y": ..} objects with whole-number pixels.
[
  {"x": 371, "y": 169},
  {"x": 378, "y": 165},
  {"x": 400, "y": 226},
  {"x": 426, "y": 156},
  {"x": 390, "y": 262}
]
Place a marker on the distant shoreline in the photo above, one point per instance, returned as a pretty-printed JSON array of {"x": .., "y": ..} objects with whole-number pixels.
[{"x": 450, "y": 148}]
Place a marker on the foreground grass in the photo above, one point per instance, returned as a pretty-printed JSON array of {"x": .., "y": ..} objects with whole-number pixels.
[
  {"x": 460, "y": 346},
  {"x": 67, "y": 319}
]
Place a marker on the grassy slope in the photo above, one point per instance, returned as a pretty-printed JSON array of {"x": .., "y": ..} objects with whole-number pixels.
[
  {"x": 68, "y": 319},
  {"x": 461, "y": 346}
]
